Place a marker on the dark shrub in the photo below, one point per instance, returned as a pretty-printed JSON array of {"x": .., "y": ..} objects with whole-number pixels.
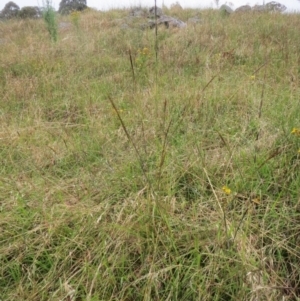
[
  {"x": 32, "y": 12},
  {"x": 67, "y": 6}
]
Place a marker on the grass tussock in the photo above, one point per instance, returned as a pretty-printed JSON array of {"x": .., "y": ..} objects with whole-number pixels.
[{"x": 124, "y": 177}]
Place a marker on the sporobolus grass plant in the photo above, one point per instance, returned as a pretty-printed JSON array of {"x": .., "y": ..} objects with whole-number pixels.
[{"x": 49, "y": 16}]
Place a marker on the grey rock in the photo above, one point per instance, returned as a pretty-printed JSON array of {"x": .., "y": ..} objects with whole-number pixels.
[
  {"x": 226, "y": 9},
  {"x": 145, "y": 21},
  {"x": 243, "y": 8},
  {"x": 259, "y": 8},
  {"x": 170, "y": 22},
  {"x": 159, "y": 11},
  {"x": 137, "y": 12},
  {"x": 151, "y": 24}
]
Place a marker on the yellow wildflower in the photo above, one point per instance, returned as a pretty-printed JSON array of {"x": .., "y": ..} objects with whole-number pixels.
[
  {"x": 75, "y": 16},
  {"x": 252, "y": 77},
  {"x": 295, "y": 131},
  {"x": 75, "y": 13},
  {"x": 226, "y": 189},
  {"x": 145, "y": 51}
]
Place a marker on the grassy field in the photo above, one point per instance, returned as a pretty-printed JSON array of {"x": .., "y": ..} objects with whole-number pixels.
[{"x": 134, "y": 172}]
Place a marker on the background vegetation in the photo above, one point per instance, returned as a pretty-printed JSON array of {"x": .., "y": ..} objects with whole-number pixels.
[{"x": 131, "y": 176}]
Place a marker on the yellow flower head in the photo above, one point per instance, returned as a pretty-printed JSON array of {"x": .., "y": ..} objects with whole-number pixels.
[
  {"x": 295, "y": 131},
  {"x": 75, "y": 14},
  {"x": 145, "y": 51},
  {"x": 252, "y": 77},
  {"x": 227, "y": 190}
]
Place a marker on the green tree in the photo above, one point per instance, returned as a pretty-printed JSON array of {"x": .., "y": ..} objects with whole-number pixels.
[
  {"x": 32, "y": 12},
  {"x": 10, "y": 10}
]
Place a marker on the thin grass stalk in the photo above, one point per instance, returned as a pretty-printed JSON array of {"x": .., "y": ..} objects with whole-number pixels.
[
  {"x": 163, "y": 151},
  {"x": 131, "y": 141},
  {"x": 272, "y": 155},
  {"x": 260, "y": 110},
  {"x": 131, "y": 65},
  {"x": 166, "y": 134},
  {"x": 240, "y": 224},
  {"x": 156, "y": 40},
  {"x": 209, "y": 82},
  {"x": 219, "y": 204},
  {"x": 230, "y": 151}
]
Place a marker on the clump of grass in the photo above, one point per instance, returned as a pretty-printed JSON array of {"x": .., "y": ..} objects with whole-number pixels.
[{"x": 49, "y": 17}]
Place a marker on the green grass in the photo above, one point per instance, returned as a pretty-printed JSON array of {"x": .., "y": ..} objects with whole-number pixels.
[
  {"x": 111, "y": 183},
  {"x": 50, "y": 20}
]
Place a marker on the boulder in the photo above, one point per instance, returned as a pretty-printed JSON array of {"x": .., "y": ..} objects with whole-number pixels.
[
  {"x": 159, "y": 12},
  {"x": 170, "y": 22},
  {"x": 161, "y": 19},
  {"x": 243, "y": 8},
  {"x": 259, "y": 8},
  {"x": 226, "y": 9},
  {"x": 151, "y": 24},
  {"x": 137, "y": 12}
]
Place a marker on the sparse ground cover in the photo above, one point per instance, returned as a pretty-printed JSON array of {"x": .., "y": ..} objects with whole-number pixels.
[{"x": 126, "y": 177}]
